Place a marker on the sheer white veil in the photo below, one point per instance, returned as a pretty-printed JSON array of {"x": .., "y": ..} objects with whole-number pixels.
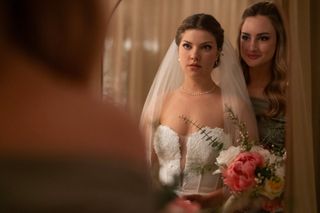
[{"x": 228, "y": 76}]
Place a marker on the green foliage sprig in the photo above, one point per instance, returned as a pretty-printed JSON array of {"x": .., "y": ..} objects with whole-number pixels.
[
  {"x": 243, "y": 138},
  {"x": 213, "y": 141}
]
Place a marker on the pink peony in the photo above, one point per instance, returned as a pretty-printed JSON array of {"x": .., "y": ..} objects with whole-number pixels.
[{"x": 240, "y": 174}]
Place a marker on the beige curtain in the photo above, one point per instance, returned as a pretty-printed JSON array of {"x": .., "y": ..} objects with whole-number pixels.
[
  {"x": 315, "y": 76},
  {"x": 301, "y": 194},
  {"x": 141, "y": 31}
]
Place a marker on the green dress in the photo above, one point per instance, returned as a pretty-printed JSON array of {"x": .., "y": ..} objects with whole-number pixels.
[{"x": 271, "y": 130}]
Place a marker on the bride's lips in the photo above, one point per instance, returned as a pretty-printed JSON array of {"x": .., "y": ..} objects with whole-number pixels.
[
  {"x": 253, "y": 56},
  {"x": 194, "y": 66}
]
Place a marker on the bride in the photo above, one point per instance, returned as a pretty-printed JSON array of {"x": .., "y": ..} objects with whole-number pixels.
[{"x": 185, "y": 109}]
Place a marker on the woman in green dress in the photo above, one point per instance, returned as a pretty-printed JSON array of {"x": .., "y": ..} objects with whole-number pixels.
[{"x": 262, "y": 44}]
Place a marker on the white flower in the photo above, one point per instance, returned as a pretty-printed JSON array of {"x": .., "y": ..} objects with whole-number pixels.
[
  {"x": 280, "y": 171},
  {"x": 227, "y": 156},
  {"x": 274, "y": 159},
  {"x": 263, "y": 152}
]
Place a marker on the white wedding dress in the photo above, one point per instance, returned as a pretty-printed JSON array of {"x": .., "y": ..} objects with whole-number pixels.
[{"x": 196, "y": 176}]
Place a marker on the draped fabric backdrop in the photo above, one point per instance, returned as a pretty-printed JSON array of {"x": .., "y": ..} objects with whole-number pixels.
[
  {"x": 301, "y": 191},
  {"x": 315, "y": 76},
  {"x": 141, "y": 31}
]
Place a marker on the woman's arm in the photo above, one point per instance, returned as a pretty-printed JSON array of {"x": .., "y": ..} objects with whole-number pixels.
[{"x": 211, "y": 200}]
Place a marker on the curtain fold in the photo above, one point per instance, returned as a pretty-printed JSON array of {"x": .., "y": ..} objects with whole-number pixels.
[
  {"x": 301, "y": 194},
  {"x": 315, "y": 76}
]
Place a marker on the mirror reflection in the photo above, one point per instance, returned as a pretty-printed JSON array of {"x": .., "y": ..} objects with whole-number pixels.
[
  {"x": 226, "y": 94},
  {"x": 258, "y": 36}
]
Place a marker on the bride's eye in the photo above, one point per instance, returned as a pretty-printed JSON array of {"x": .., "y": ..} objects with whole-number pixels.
[
  {"x": 186, "y": 46},
  {"x": 207, "y": 47}
]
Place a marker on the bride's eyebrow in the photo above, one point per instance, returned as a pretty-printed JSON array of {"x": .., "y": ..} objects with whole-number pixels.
[{"x": 207, "y": 42}]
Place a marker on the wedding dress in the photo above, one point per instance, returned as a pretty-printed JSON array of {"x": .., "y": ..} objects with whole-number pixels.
[{"x": 195, "y": 176}]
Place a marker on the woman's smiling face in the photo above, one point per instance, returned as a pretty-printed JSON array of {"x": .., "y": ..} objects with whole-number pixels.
[{"x": 258, "y": 41}]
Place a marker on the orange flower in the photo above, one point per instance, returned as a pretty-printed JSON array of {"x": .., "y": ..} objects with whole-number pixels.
[{"x": 273, "y": 188}]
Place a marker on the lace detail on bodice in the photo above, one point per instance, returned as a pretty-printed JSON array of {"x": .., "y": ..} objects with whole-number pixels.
[{"x": 200, "y": 159}]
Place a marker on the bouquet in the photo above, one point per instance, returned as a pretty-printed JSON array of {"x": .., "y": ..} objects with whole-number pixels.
[{"x": 253, "y": 175}]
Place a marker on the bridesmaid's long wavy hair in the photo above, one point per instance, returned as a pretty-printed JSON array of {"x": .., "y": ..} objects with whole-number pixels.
[{"x": 276, "y": 88}]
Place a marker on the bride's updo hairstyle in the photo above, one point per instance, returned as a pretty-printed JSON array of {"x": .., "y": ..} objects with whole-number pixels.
[{"x": 205, "y": 22}]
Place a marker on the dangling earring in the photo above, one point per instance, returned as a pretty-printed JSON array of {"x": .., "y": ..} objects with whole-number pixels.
[{"x": 216, "y": 63}]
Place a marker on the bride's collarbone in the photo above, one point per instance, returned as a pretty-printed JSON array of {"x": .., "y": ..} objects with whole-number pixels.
[
  {"x": 194, "y": 105},
  {"x": 187, "y": 114},
  {"x": 186, "y": 124}
]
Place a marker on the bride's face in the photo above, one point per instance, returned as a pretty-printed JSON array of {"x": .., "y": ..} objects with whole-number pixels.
[{"x": 197, "y": 52}]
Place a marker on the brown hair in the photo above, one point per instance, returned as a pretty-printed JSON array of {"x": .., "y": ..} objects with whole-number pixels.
[
  {"x": 202, "y": 22},
  {"x": 64, "y": 34},
  {"x": 275, "y": 90}
]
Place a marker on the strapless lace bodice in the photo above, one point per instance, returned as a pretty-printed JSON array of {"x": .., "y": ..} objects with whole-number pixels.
[{"x": 199, "y": 162}]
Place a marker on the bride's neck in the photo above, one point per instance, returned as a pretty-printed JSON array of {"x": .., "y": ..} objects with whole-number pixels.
[{"x": 198, "y": 84}]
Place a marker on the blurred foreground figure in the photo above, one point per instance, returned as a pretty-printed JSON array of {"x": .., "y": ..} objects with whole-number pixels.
[{"x": 61, "y": 150}]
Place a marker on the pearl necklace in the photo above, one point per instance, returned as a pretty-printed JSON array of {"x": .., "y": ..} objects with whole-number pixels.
[{"x": 187, "y": 92}]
